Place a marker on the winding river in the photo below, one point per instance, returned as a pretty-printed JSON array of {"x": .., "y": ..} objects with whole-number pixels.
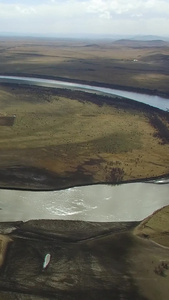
[
  {"x": 155, "y": 101},
  {"x": 101, "y": 203}
]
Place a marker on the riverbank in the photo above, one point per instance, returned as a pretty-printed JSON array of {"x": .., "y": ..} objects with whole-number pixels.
[
  {"x": 155, "y": 227},
  {"x": 153, "y": 92},
  {"x": 4, "y": 243}
]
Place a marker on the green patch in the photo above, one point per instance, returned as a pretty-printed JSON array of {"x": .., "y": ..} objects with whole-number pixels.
[
  {"x": 112, "y": 143},
  {"x": 118, "y": 142}
]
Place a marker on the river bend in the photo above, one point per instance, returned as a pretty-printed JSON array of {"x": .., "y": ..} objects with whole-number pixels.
[
  {"x": 100, "y": 203},
  {"x": 152, "y": 100}
]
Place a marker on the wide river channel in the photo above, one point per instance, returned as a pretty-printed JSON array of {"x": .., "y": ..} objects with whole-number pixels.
[{"x": 100, "y": 203}]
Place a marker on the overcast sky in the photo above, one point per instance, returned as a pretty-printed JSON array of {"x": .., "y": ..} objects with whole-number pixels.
[{"x": 76, "y": 17}]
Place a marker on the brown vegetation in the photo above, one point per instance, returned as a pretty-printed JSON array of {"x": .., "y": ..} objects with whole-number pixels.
[
  {"x": 126, "y": 64},
  {"x": 60, "y": 139},
  {"x": 162, "y": 131},
  {"x": 64, "y": 138},
  {"x": 155, "y": 227},
  {"x": 75, "y": 138}
]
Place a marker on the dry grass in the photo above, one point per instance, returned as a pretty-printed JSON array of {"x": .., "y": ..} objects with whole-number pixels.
[
  {"x": 70, "y": 137},
  {"x": 155, "y": 227},
  {"x": 67, "y": 136},
  {"x": 101, "y": 61}
]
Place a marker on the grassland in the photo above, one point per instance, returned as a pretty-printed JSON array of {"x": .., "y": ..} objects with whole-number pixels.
[
  {"x": 64, "y": 138},
  {"x": 155, "y": 227},
  {"x": 128, "y": 64},
  {"x": 60, "y": 138},
  {"x": 57, "y": 138}
]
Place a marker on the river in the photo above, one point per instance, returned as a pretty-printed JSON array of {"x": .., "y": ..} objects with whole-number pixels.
[
  {"x": 155, "y": 101},
  {"x": 101, "y": 203}
]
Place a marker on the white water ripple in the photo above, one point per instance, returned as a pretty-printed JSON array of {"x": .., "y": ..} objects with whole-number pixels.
[{"x": 99, "y": 203}]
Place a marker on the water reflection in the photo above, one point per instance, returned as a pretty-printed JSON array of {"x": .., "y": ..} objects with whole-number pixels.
[
  {"x": 152, "y": 100},
  {"x": 100, "y": 203}
]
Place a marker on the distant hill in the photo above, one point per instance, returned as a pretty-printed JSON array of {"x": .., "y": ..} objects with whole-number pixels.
[
  {"x": 141, "y": 43},
  {"x": 87, "y": 36},
  {"x": 149, "y": 38},
  {"x": 157, "y": 58},
  {"x": 92, "y": 45}
]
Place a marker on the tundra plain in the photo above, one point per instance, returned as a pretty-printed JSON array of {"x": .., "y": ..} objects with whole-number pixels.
[
  {"x": 123, "y": 63},
  {"x": 62, "y": 138},
  {"x": 53, "y": 139}
]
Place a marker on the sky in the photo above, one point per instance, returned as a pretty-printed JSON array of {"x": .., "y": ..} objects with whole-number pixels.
[{"x": 84, "y": 17}]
